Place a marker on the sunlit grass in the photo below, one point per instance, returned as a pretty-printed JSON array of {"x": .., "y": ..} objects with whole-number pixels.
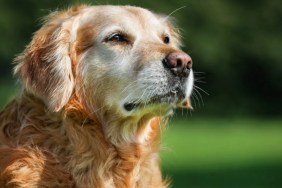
[
  {"x": 223, "y": 153},
  {"x": 214, "y": 143}
]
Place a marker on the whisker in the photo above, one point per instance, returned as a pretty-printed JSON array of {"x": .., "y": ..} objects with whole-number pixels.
[
  {"x": 200, "y": 81},
  {"x": 130, "y": 94},
  {"x": 129, "y": 85},
  {"x": 190, "y": 112},
  {"x": 174, "y": 12},
  {"x": 200, "y": 96},
  {"x": 196, "y": 99},
  {"x": 201, "y": 90},
  {"x": 198, "y": 72},
  {"x": 140, "y": 98},
  {"x": 150, "y": 95}
]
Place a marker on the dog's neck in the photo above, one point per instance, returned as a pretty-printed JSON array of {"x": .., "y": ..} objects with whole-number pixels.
[
  {"x": 119, "y": 130},
  {"x": 134, "y": 142}
]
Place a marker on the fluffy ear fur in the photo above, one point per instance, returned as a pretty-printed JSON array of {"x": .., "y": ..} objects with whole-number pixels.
[{"x": 45, "y": 66}]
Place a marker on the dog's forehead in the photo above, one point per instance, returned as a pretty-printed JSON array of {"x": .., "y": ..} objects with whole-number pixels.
[{"x": 129, "y": 17}]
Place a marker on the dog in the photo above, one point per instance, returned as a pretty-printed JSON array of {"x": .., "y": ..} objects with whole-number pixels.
[{"x": 99, "y": 83}]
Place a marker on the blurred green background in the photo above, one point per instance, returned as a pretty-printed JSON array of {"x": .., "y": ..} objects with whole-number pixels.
[{"x": 233, "y": 138}]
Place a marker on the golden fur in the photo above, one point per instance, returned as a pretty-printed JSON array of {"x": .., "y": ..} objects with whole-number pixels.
[{"x": 65, "y": 129}]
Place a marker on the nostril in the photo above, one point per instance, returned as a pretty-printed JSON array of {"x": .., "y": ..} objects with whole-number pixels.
[
  {"x": 165, "y": 62},
  {"x": 189, "y": 64},
  {"x": 179, "y": 63}
]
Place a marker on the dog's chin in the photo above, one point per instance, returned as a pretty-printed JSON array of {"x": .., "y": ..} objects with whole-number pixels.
[{"x": 161, "y": 104}]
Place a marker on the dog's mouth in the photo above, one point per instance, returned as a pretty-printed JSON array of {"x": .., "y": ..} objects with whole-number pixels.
[{"x": 171, "y": 98}]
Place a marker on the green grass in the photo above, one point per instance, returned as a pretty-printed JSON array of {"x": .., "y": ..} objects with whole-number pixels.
[{"x": 215, "y": 153}]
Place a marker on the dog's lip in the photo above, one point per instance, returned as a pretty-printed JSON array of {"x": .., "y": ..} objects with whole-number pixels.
[{"x": 173, "y": 97}]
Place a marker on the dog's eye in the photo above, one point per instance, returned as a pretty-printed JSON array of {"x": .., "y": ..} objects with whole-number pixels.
[
  {"x": 117, "y": 38},
  {"x": 166, "y": 39}
]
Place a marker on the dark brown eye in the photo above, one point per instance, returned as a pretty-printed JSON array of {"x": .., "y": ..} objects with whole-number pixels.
[
  {"x": 117, "y": 38},
  {"x": 166, "y": 39}
]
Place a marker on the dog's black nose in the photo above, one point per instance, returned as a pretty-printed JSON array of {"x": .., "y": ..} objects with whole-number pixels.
[{"x": 179, "y": 63}]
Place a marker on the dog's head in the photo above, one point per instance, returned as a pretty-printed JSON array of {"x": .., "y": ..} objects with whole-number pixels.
[{"x": 122, "y": 58}]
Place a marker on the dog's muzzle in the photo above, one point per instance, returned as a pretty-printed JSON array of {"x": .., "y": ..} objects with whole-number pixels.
[{"x": 178, "y": 66}]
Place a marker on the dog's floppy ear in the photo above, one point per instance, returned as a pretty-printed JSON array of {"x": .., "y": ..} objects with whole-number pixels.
[{"x": 45, "y": 66}]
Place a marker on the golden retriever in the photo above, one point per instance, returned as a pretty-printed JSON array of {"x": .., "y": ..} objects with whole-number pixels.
[{"x": 98, "y": 82}]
